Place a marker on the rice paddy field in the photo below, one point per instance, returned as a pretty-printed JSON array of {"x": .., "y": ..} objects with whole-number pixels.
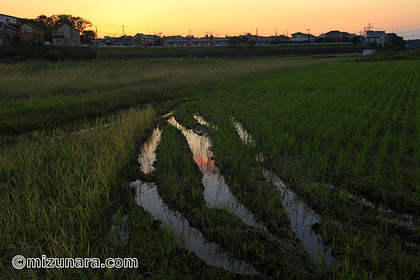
[{"x": 280, "y": 168}]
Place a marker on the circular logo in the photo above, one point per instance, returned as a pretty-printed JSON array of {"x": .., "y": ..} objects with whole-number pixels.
[{"x": 19, "y": 262}]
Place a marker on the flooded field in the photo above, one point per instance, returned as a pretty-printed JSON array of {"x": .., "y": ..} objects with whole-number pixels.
[
  {"x": 218, "y": 195},
  {"x": 188, "y": 237},
  {"x": 258, "y": 169},
  {"x": 216, "y": 192}
]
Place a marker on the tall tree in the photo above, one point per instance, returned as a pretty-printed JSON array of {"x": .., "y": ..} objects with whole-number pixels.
[{"x": 51, "y": 23}]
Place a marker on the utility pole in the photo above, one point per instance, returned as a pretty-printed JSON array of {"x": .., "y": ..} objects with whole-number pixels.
[
  {"x": 368, "y": 28},
  {"x": 96, "y": 35},
  {"x": 123, "y": 30}
]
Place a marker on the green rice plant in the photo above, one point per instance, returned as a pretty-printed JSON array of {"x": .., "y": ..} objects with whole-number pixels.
[{"x": 345, "y": 125}]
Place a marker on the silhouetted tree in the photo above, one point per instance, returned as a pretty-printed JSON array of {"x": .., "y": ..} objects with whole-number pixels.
[
  {"x": 87, "y": 36},
  {"x": 356, "y": 40},
  {"x": 234, "y": 41},
  {"x": 51, "y": 23}
]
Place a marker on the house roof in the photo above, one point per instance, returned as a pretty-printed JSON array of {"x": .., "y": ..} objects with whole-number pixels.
[
  {"x": 144, "y": 36},
  {"x": 175, "y": 40},
  {"x": 67, "y": 25},
  {"x": 197, "y": 40},
  {"x": 7, "y": 15},
  {"x": 8, "y": 26},
  {"x": 302, "y": 34},
  {"x": 372, "y": 32},
  {"x": 333, "y": 32},
  {"x": 221, "y": 39},
  {"x": 33, "y": 26}
]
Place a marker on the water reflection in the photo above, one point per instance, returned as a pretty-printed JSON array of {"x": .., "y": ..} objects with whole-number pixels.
[
  {"x": 185, "y": 235},
  {"x": 403, "y": 220},
  {"x": 148, "y": 153},
  {"x": 216, "y": 193},
  {"x": 302, "y": 218},
  {"x": 119, "y": 233},
  {"x": 168, "y": 114},
  {"x": 202, "y": 121},
  {"x": 242, "y": 133}
]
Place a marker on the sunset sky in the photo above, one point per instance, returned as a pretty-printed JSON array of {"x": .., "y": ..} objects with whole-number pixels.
[{"x": 230, "y": 17}]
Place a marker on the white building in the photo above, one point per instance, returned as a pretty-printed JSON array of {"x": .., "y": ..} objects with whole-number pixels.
[
  {"x": 9, "y": 19},
  {"x": 302, "y": 37},
  {"x": 377, "y": 37}
]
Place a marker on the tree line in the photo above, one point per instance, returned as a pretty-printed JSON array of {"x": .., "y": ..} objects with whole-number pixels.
[{"x": 50, "y": 23}]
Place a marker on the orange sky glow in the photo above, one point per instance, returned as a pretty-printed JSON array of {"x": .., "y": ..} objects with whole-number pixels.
[{"x": 230, "y": 17}]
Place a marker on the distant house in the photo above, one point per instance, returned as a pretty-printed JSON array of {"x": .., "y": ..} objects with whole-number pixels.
[
  {"x": 220, "y": 41},
  {"x": 123, "y": 40},
  {"x": 31, "y": 34},
  {"x": 302, "y": 37},
  {"x": 335, "y": 36},
  {"x": 9, "y": 19},
  {"x": 8, "y": 34},
  {"x": 66, "y": 36},
  {"x": 377, "y": 37},
  {"x": 168, "y": 42},
  {"x": 261, "y": 41},
  {"x": 200, "y": 42},
  {"x": 279, "y": 39},
  {"x": 145, "y": 40}
]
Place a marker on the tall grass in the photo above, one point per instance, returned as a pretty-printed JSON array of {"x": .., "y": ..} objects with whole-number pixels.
[{"x": 58, "y": 193}]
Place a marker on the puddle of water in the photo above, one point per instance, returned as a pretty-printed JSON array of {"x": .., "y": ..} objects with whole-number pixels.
[
  {"x": 202, "y": 121},
  {"x": 404, "y": 220},
  {"x": 148, "y": 153},
  {"x": 185, "y": 235},
  {"x": 168, "y": 114},
  {"x": 216, "y": 192},
  {"x": 302, "y": 218},
  {"x": 119, "y": 233},
  {"x": 245, "y": 137}
]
